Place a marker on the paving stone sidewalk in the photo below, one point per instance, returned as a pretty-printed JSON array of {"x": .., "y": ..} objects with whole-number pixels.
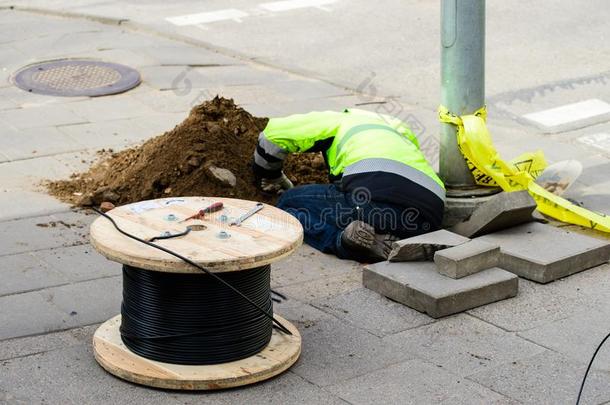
[{"x": 358, "y": 347}]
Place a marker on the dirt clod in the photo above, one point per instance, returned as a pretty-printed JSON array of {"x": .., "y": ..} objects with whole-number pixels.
[{"x": 217, "y": 134}]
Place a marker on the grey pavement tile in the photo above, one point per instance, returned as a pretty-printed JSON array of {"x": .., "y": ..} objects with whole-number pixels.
[
  {"x": 246, "y": 94},
  {"x": 161, "y": 122},
  {"x": 41, "y": 116},
  {"x": 27, "y": 346},
  {"x": 78, "y": 263},
  {"x": 172, "y": 100},
  {"x": 309, "y": 291},
  {"x": 25, "y": 272},
  {"x": 129, "y": 57},
  {"x": 547, "y": 378},
  {"x": 101, "y": 135},
  {"x": 31, "y": 204},
  {"x": 334, "y": 351},
  {"x": 287, "y": 388},
  {"x": 370, "y": 311},
  {"x": 172, "y": 54},
  {"x": 464, "y": 345},
  {"x": 239, "y": 75},
  {"x": 86, "y": 302},
  {"x": 71, "y": 376},
  {"x": 415, "y": 382},
  {"x": 25, "y": 99},
  {"x": 30, "y": 173},
  {"x": 535, "y": 305},
  {"x": 576, "y": 337},
  {"x": 28, "y": 314},
  {"x": 595, "y": 172},
  {"x": 308, "y": 264},
  {"x": 35, "y": 142},
  {"x": 182, "y": 79},
  {"x": 116, "y": 107},
  {"x": 300, "y": 89},
  {"x": 46, "y": 232},
  {"x": 302, "y": 315}
]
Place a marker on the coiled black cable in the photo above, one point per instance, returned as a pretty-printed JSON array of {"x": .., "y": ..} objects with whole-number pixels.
[
  {"x": 220, "y": 282},
  {"x": 190, "y": 319}
]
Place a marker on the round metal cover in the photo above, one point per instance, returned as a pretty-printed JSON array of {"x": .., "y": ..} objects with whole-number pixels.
[{"x": 73, "y": 77}]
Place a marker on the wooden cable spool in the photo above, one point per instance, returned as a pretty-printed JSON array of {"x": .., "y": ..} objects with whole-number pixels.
[{"x": 268, "y": 236}]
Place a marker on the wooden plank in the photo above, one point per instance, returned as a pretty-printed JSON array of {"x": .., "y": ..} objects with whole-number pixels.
[
  {"x": 266, "y": 237},
  {"x": 112, "y": 354}
]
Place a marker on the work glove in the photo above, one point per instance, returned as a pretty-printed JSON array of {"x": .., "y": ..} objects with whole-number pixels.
[{"x": 276, "y": 186}]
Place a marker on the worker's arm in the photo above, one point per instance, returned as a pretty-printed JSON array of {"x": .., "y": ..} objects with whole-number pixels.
[{"x": 293, "y": 134}]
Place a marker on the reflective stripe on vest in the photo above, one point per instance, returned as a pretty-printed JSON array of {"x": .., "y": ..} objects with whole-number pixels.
[{"x": 395, "y": 167}]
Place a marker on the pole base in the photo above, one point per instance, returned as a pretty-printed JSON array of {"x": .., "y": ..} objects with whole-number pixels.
[
  {"x": 471, "y": 191},
  {"x": 458, "y": 209}
]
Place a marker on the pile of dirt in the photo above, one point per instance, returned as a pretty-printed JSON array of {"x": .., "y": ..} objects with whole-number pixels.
[{"x": 208, "y": 154}]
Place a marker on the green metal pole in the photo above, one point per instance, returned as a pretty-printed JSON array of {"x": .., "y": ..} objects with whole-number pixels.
[{"x": 462, "y": 79}]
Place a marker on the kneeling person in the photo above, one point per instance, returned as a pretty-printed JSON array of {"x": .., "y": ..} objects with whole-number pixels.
[{"x": 381, "y": 186}]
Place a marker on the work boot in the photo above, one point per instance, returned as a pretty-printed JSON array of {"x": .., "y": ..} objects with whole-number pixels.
[{"x": 361, "y": 237}]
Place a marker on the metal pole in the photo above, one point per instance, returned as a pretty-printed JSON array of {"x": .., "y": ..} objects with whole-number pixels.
[{"x": 462, "y": 79}]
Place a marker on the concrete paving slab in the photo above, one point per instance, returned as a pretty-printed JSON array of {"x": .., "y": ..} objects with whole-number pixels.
[
  {"x": 308, "y": 264},
  {"x": 310, "y": 291},
  {"x": 31, "y": 204},
  {"x": 543, "y": 253},
  {"x": 171, "y": 54},
  {"x": 28, "y": 314},
  {"x": 86, "y": 302},
  {"x": 372, "y": 312},
  {"x": 422, "y": 247},
  {"x": 179, "y": 78},
  {"x": 36, "y": 117},
  {"x": 334, "y": 351},
  {"x": 566, "y": 336},
  {"x": 172, "y": 100},
  {"x": 29, "y": 173},
  {"x": 502, "y": 211},
  {"x": 46, "y": 232},
  {"x": 446, "y": 343},
  {"x": 101, "y": 135},
  {"x": 467, "y": 258},
  {"x": 419, "y": 286},
  {"x": 35, "y": 142},
  {"x": 109, "y": 108},
  {"x": 78, "y": 263},
  {"x": 415, "y": 382},
  {"x": 36, "y": 378},
  {"x": 287, "y": 388},
  {"x": 27, "y": 346},
  {"x": 25, "y": 272},
  {"x": 546, "y": 378},
  {"x": 537, "y": 304},
  {"x": 595, "y": 169}
]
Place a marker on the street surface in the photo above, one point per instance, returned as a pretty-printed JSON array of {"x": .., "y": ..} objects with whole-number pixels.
[{"x": 548, "y": 88}]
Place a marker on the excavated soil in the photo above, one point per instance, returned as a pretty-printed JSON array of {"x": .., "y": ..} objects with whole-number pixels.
[{"x": 186, "y": 161}]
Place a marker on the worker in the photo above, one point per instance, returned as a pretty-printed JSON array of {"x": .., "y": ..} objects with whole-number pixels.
[{"x": 381, "y": 188}]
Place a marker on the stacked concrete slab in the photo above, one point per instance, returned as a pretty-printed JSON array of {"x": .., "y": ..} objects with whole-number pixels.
[
  {"x": 467, "y": 273},
  {"x": 544, "y": 253},
  {"x": 463, "y": 275}
]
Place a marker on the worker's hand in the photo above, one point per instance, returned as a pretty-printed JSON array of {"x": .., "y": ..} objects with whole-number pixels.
[{"x": 276, "y": 186}]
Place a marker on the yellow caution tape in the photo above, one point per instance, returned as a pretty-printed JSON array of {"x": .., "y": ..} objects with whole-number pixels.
[{"x": 489, "y": 169}]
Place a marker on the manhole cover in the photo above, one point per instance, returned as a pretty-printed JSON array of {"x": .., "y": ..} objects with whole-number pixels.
[{"x": 76, "y": 78}]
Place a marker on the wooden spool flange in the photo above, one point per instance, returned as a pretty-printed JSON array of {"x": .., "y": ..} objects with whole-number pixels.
[{"x": 268, "y": 236}]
